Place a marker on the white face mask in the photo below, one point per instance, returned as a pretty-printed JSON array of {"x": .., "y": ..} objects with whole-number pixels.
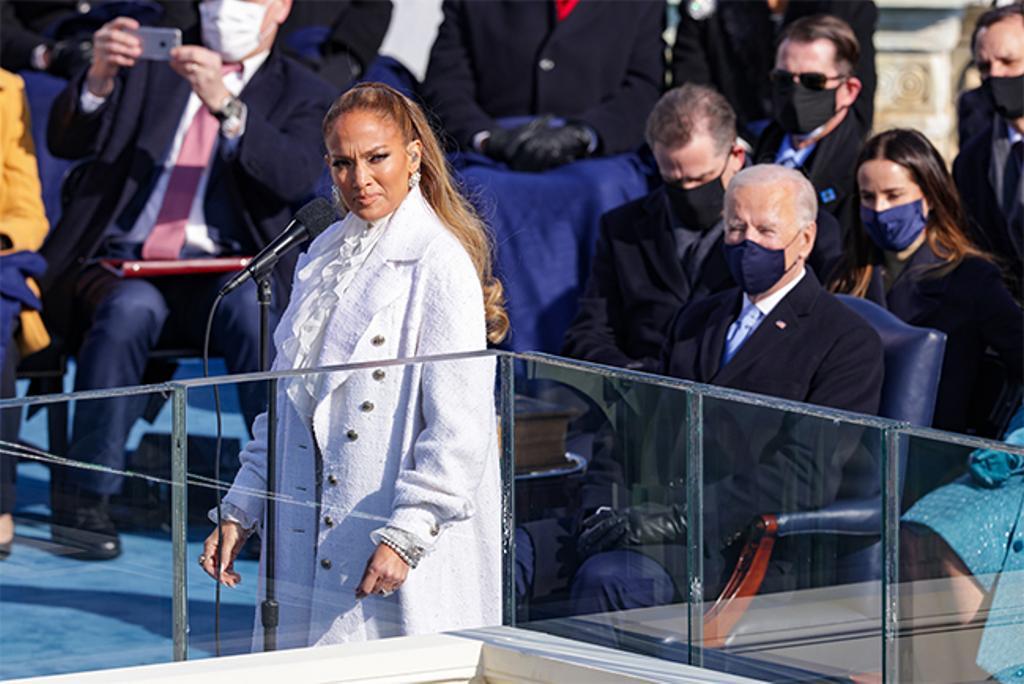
[{"x": 232, "y": 27}]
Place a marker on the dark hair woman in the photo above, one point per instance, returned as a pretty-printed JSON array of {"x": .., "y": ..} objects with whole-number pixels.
[{"x": 911, "y": 254}]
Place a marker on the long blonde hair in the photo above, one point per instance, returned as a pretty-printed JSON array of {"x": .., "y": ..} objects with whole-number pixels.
[{"x": 437, "y": 187}]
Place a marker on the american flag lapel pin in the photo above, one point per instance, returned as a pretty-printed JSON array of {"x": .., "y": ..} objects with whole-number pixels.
[{"x": 781, "y": 325}]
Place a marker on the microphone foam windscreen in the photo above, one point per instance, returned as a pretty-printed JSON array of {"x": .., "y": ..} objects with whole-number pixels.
[{"x": 316, "y": 216}]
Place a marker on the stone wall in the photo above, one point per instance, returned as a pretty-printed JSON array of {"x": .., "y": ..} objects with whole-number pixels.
[{"x": 923, "y": 57}]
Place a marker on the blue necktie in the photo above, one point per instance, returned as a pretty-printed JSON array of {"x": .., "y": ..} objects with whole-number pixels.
[
  {"x": 740, "y": 330},
  {"x": 789, "y": 159}
]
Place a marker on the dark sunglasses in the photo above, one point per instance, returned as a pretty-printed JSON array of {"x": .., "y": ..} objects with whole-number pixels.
[{"x": 811, "y": 80}]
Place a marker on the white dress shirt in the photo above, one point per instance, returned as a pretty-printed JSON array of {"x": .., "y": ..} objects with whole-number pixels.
[{"x": 197, "y": 236}]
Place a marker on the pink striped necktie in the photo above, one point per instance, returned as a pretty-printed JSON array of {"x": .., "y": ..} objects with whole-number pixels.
[{"x": 168, "y": 235}]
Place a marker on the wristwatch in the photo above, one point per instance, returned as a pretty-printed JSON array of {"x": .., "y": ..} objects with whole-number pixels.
[{"x": 231, "y": 116}]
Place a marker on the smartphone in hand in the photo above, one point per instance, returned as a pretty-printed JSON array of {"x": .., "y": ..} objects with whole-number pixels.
[{"x": 157, "y": 43}]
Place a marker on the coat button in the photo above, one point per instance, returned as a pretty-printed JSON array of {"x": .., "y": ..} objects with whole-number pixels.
[
  {"x": 352, "y": 434},
  {"x": 435, "y": 530},
  {"x": 1018, "y": 545},
  {"x": 329, "y": 521},
  {"x": 546, "y": 64},
  {"x": 332, "y": 480},
  {"x": 377, "y": 340},
  {"x": 325, "y": 563},
  {"x": 379, "y": 375},
  {"x": 366, "y": 406}
]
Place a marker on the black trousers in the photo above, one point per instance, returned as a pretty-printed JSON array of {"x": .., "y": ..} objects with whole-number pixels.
[{"x": 10, "y": 424}]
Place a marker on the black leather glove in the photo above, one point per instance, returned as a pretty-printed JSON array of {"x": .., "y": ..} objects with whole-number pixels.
[
  {"x": 648, "y": 523},
  {"x": 503, "y": 144},
  {"x": 68, "y": 56},
  {"x": 546, "y": 147}
]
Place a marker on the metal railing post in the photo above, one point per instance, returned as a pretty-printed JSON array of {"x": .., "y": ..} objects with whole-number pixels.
[
  {"x": 506, "y": 411},
  {"x": 892, "y": 443},
  {"x": 695, "y": 523},
  {"x": 179, "y": 521}
]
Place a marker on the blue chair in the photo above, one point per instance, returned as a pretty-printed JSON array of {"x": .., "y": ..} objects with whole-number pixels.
[{"x": 913, "y": 366}]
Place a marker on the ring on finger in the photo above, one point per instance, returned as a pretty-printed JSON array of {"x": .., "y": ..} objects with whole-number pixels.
[
  {"x": 386, "y": 592},
  {"x": 202, "y": 560}
]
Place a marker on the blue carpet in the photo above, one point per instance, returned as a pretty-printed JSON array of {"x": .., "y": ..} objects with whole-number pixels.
[{"x": 60, "y": 615}]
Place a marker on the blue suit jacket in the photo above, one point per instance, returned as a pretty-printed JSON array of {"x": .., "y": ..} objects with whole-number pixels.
[{"x": 250, "y": 196}]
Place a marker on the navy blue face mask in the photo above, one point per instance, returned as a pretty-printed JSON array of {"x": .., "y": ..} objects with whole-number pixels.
[
  {"x": 755, "y": 268},
  {"x": 896, "y": 228}
]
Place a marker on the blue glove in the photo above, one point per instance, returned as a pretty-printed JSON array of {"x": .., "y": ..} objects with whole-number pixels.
[
  {"x": 991, "y": 468},
  {"x": 14, "y": 269}
]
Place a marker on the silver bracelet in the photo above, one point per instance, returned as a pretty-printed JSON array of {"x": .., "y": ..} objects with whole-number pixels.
[{"x": 403, "y": 544}]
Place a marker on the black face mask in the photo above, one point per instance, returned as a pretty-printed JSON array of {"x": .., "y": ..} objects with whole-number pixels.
[
  {"x": 1007, "y": 93},
  {"x": 799, "y": 110},
  {"x": 698, "y": 208}
]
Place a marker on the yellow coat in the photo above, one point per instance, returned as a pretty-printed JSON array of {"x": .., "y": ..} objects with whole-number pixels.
[{"x": 23, "y": 224}]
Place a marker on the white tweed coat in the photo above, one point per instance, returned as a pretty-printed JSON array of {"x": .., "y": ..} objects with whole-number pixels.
[{"x": 411, "y": 446}]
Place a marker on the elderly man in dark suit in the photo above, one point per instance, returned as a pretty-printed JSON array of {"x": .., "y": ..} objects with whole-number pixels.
[
  {"x": 657, "y": 254},
  {"x": 204, "y": 155},
  {"x": 988, "y": 170},
  {"x": 526, "y": 58},
  {"x": 778, "y": 333},
  {"x": 814, "y": 90}
]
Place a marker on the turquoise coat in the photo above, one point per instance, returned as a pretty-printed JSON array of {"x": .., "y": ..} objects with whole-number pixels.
[{"x": 985, "y": 527}]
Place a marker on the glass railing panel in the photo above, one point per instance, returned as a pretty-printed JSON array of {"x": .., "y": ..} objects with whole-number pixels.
[
  {"x": 407, "y": 449},
  {"x": 792, "y": 533},
  {"x": 71, "y": 599},
  {"x": 618, "y": 505},
  {"x": 600, "y": 491},
  {"x": 961, "y": 559}
]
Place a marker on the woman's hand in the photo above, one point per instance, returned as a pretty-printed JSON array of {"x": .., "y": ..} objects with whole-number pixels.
[
  {"x": 385, "y": 572},
  {"x": 233, "y": 537}
]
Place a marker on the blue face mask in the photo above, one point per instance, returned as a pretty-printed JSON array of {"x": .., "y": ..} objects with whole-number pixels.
[
  {"x": 755, "y": 268},
  {"x": 896, "y": 228}
]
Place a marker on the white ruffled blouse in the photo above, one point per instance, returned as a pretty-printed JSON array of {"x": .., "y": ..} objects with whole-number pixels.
[{"x": 322, "y": 282}]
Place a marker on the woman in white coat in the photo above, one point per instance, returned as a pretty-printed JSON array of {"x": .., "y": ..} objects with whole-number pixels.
[{"x": 390, "y": 519}]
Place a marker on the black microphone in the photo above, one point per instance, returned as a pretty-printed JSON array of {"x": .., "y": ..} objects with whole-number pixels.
[{"x": 309, "y": 221}]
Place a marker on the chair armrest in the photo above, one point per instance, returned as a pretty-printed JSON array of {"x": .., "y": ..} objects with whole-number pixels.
[
  {"x": 861, "y": 517},
  {"x": 744, "y": 583}
]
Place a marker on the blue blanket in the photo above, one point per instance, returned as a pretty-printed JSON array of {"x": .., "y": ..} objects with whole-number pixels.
[{"x": 545, "y": 226}]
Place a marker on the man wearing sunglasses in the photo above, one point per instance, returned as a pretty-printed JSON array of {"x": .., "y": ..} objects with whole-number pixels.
[{"x": 813, "y": 128}]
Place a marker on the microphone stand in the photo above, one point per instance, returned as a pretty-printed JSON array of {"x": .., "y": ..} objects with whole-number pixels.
[{"x": 269, "y": 607}]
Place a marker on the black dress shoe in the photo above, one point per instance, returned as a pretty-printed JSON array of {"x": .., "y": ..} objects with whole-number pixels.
[{"x": 87, "y": 530}]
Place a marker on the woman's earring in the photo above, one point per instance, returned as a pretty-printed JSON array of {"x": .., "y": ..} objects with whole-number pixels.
[
  {"x": 336, "y": 197},
  {"x": 414, "y": 179}
]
